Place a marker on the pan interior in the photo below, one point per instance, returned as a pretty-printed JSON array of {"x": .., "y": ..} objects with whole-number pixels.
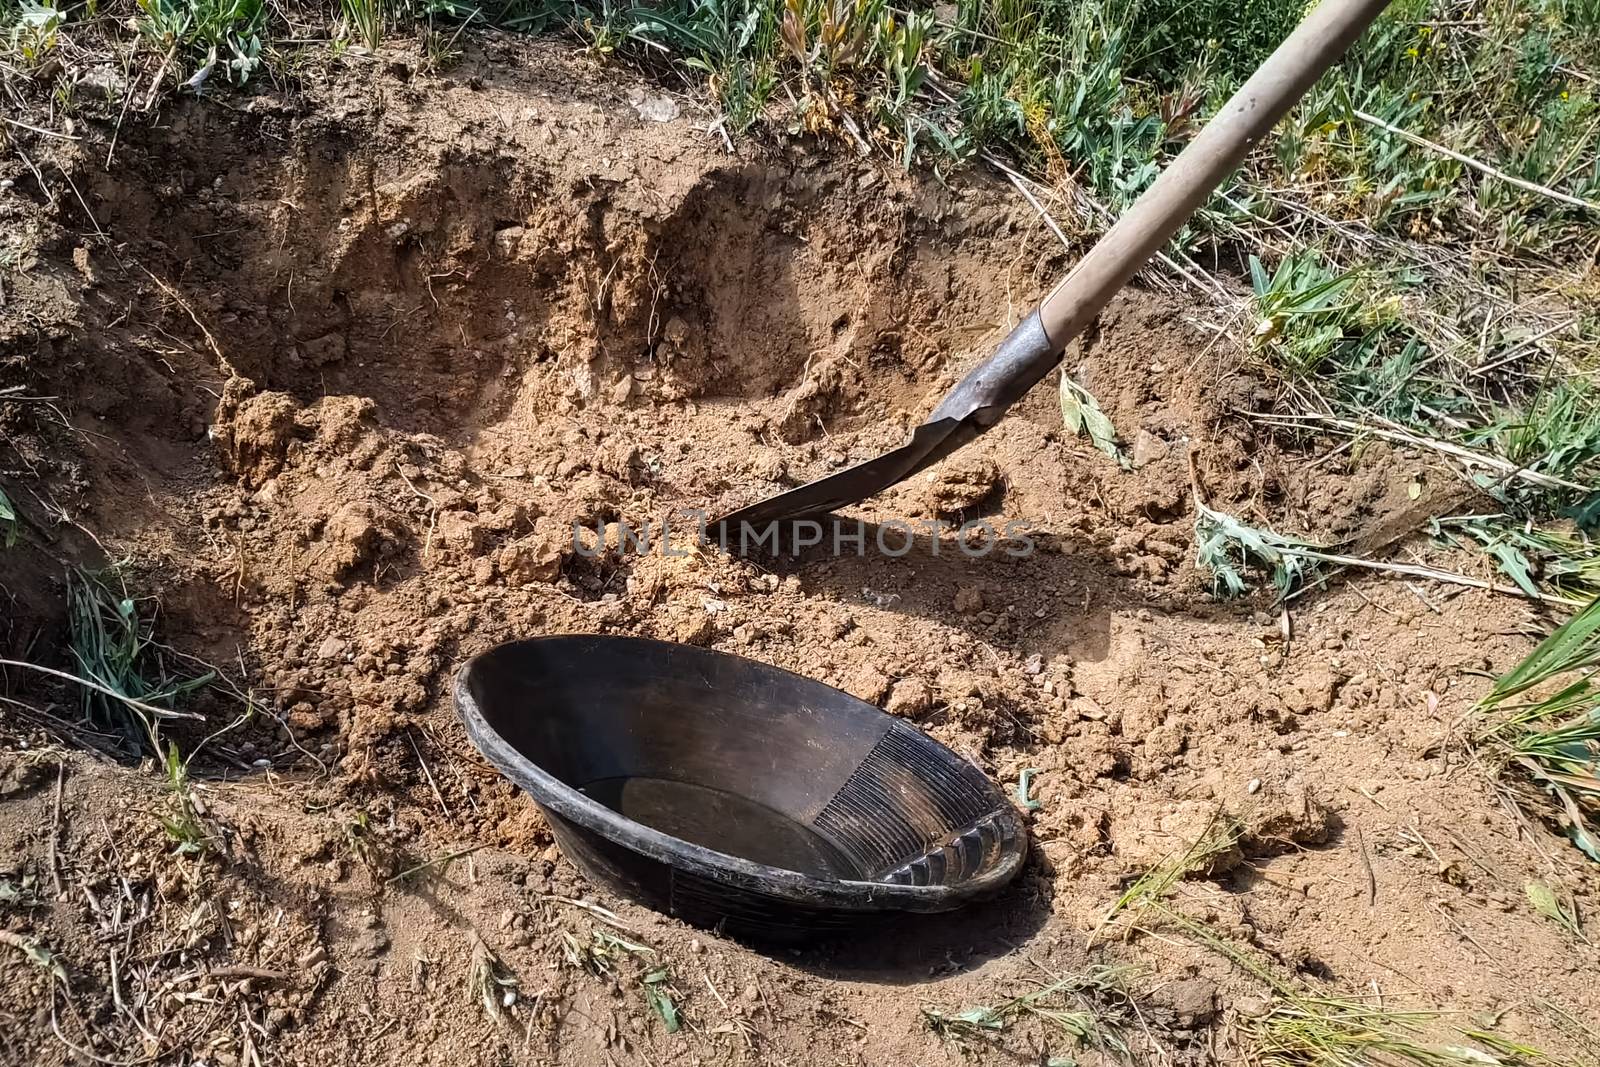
[{"x": 724, "y": 822}]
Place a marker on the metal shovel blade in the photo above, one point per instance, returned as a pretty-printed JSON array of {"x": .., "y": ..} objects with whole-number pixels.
[{"x": 929, "y": 443}]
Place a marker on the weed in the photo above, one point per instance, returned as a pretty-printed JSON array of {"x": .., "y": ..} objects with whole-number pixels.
[
  {"x": 34, "y": 33},
  {"x": 1297, "y": 1027},
  {"x": 605, "y": 954},
  {"x": 658, "y": 994},
  {"x": 1546, "y": 903},
  {"x": 8, "y": 521},
  {"x": 1302, "y": 310},
  {"x": 371, "y": 850},
  {"x": 440, "y": 863},
  {"x": 206, "y": 34},
  {"x": 1220, "y": 836},
  {"x": 1091, "y": 1008},
  {"x": 115, "y": 648},
  {"x": 1225, "y": 546},
  {"x": 365, "y": 20},
  {"x": 23, "y": 892},
  {"x": 1300, "y": 1030},
  {"x": 183, "y": 823},
  {"x": 1081, "y": 414},
  {"x": 439, "y": 52},
  {"x": 1537, "y": 559},
  {"x": 37, "y": 954},
  {"x": 489, "y": 982},
  {"x": 1552, "y": 741},
  {"x": 602, "y": 953}
]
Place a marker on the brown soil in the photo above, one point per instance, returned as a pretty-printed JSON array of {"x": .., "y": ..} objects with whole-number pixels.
[{"x": 336, "y": 373}]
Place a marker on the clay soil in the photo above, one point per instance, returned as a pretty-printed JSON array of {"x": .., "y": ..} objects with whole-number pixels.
[{"x": 332, "y": 373}]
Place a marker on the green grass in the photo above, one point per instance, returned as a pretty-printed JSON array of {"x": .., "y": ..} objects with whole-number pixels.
[
  {"x": 8, "y": 521},
  {"x": 112, "y": 640},
  {"x": 1539, "y": 726},
  {"x": 183, "y": 822}
]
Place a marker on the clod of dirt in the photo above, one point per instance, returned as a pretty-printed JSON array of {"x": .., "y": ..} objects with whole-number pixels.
[
  {"x": 817, "y": 396},
  {"x": 1191, "y": 1002},
  {"x": 1146, "y": 836},
  {"x": 254, "y": 434},
  {"x": 909, "y": 698},
  {"x": 968, "y": 600},
  {"x": 1314, "y": 690},
  {"x": 1281, "y": 818},
  {"x": 867, "y": 682},
  {"x": 357, "y": 535},
  {"x": 22, "y": 774},
  {"x": 962, "y": 484},
  {"x": 535, "y": 558}
]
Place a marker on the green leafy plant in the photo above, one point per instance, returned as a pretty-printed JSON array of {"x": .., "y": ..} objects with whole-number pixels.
[
  {"x": 183, "y": 823},
  {"x": 1081, "y": 414},
  {"x": 114, "y": 646},
  {"x": 1546, "y": 903},
  {"x": 1302, "y": 310},
  {"x": 208, "y": 34},
  {"x": 1540, "y": 724},
  {"x": 35, "y": 30},
  {"x": 8, "y": 521},
  {"x": 657, "y": 986},
  {"x": 1227, "y": 547},
  {"x": 365, "y": 21}
]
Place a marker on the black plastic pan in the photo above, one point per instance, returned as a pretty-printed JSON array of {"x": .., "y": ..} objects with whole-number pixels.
[{"x": 733, "y": 794}]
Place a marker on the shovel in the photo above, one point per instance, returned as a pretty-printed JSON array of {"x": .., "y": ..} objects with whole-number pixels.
[{"x": 1035, "y": 347}]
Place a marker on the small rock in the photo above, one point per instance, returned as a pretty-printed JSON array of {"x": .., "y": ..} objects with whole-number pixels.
[
  {"x": 331, "y": 648},
  {"x": 1253, "y": 786},
  {"x": 1034, "y": 665},
  {"x": 105, "y": 78},
  {"x": 1251, "y": 1007},
  {"x": 1085, "y": 708},
  {"x": 654, "y": 108},
  {"x": 1148, "y": 448}
]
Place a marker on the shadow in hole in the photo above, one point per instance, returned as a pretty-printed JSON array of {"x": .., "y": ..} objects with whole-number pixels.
[
  {"x": 909, "y": 949},
  {"x": 918, "y": 574}
]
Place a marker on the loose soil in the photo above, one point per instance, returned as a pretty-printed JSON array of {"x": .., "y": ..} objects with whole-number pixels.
[{"x": 334, "y": 372}]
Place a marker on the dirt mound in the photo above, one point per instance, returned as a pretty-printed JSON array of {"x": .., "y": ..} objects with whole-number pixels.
[{"x": 351, "y": 368}]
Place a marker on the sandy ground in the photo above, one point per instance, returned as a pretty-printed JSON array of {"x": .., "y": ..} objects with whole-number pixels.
[{"x": 335, "y": 372}]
